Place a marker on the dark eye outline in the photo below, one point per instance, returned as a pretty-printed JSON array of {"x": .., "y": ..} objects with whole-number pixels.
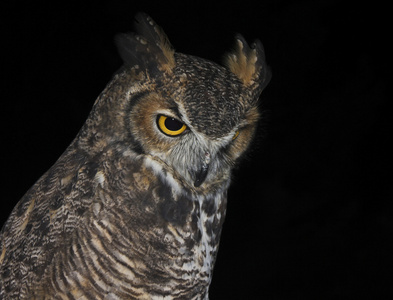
[{"x": 165, "y": 130}]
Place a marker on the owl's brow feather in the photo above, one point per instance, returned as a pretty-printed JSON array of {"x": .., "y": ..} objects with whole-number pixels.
[{"x": 176, "y": 112}]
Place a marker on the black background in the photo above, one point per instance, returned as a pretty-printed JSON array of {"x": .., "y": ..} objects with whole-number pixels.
[{"x": 309, "y": 213}]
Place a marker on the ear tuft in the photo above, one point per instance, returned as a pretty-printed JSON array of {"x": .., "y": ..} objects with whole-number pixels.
[
  {"x": 148, "y": 48},
  {"x": 248, "y": 63}
]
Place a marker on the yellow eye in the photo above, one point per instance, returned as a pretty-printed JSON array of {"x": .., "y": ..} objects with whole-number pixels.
[
  {"x": 170, "y": 126},
  {"x": 236, "y": 135}
]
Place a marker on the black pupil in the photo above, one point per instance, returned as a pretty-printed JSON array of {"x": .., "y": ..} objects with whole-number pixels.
[{"x": 173, "y": 124}]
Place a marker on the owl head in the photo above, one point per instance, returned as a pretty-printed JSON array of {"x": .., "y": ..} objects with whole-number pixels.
[{"x": 192, "y": 117}]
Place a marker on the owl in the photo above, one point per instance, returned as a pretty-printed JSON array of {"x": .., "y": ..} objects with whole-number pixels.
[{"x": 134, "y": 207}]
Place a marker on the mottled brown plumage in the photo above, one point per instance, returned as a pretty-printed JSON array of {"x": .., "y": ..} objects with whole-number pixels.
[{"x": 134, "y": 207}]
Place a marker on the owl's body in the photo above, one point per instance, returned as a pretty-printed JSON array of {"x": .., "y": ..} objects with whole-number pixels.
[{"x": 134, "y": 207}]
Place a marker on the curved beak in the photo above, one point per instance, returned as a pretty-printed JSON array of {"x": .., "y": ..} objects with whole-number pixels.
[
  {"x": 202, "y": 173},
  {"x": 201, "y": 176}
]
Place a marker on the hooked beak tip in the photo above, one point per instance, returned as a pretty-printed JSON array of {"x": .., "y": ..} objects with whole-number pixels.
[
  {"x": 202, "y": 173},
  {"x": 201, "y": 176}
]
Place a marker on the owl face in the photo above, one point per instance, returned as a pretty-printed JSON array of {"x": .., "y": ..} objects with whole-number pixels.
[{"x": 195, "y": 120}]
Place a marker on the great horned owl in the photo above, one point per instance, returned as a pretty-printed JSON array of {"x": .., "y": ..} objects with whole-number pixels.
[{"x": 134, "y": 207}]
